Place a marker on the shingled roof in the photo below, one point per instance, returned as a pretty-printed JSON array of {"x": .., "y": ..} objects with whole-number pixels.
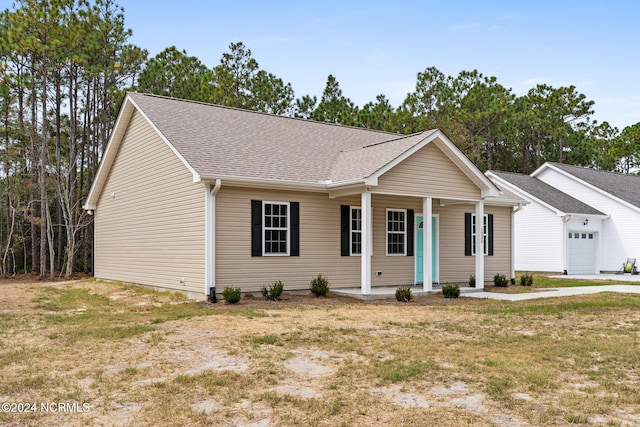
[
  {"x": 219, "y": 141},
  {"x": 233, "y": 145},
  {"x": 547, "y": 194},
  {"x": 623, "y": 186}
]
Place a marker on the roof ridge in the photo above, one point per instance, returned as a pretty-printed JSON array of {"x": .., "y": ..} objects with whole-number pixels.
[
  {"x": 401, "y": 137},
  {"x": 588, "y": 168},
  {"x": 209, "y": 104},
  {"x": 549, "y": 191}
]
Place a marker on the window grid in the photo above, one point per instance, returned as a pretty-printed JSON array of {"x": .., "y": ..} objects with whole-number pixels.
[
  {"x": 356, "y": 231},
  {"x": 396, "y": 232},
  {"x": 276, "y": 228}
]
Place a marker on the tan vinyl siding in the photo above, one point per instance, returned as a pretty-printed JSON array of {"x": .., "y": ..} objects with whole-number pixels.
[
  {"x": 442, "y": 178},
  {"x": 396, "y": 269},
  {"x": 454, "y": 265},
  {"x": 500, "y": 262},
  {"x": 153, "y": 231},
  {"x": 319, "y": 242}
]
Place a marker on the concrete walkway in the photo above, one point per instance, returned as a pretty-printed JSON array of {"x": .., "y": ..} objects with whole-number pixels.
[
  {"x": 604, "y": 276},
  {"x": 555, "y": 292},
  {"x": 465, "y": 291}
]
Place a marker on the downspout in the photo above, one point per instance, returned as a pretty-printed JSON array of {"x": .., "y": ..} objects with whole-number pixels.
[{"x": 210, "y": 289}]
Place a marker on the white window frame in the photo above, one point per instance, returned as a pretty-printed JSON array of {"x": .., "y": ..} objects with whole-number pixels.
[
  {"x": 402, "y": 233},
  {"x": 485, "y": 234},
  {"x": 265, "y": 228},
  {"x": 353, "y": 209}
]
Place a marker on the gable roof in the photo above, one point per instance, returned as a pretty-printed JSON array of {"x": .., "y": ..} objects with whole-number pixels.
[
  {"x": 216, "y": 142},
  {"x": 540, "y": 190},
  {"x": 623, "y": 186},
  {"x": 220, "y": 141}
]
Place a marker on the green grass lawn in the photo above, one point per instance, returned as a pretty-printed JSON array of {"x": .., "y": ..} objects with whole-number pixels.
[{"x": 544, "y": 281}]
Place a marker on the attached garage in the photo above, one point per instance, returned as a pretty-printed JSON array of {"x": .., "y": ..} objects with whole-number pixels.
[
  {"x": 556, "y": 232},
  {"x": 581, "y": 252}
]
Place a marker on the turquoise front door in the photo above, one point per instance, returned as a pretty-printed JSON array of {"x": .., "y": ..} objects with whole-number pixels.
[{"x": 420, "y": 249}]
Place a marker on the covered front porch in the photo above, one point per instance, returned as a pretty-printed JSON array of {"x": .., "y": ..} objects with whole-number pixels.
[
  {"x": 431, "y": 184},
  {"x": 424, "y": 243}
]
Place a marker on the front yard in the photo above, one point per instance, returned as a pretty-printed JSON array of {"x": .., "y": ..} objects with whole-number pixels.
[{"x": 110, "y": 354}]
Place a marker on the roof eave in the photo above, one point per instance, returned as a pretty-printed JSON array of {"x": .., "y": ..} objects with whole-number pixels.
[
  {"x": 506, "y": 202},
  {"x": 520, "y": 192},
  {"x": 126, "y": 111},
  {"x": 586, "y": 215},
  {"x": 238, "y": 181},
  {"x": 119, "y": 130}
]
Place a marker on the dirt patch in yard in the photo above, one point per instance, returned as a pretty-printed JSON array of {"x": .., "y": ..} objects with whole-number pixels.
[{"x": 139, "y": 357}]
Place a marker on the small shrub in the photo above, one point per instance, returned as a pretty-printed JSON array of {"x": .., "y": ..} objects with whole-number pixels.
[
  {"x": 274, "y": 291},
  {"x": 500, "y": 280},
  {"x": 404, "y": 294},
  {"x": 472, "y": 281},
  {"x": 232, "y": 295},
  {"x": 526, "y": 279},
  {"x": 451, "y": 291},
  {"x": 319, "y": 286}
]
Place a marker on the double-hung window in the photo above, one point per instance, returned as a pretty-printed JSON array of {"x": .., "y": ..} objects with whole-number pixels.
[
  {"x": 396, "y": 231},
  {"x": 276, "y": 228},
  {"x": 355, "y": 231},
  {"x": 399, "y": 231},
  {"x": 474, "y": 232},
  {"x": 471, "y": 229}
]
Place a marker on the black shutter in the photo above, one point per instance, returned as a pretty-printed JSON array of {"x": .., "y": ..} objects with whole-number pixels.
[
  {"x": 345, "y": 218},
  {"x": 467, "y": 234},
  {"x": 490, "y": 234},
  {"x": 410, "y": 230},
  {"x": 294, "y": 217},
  {"x": 256, "y": 228}
]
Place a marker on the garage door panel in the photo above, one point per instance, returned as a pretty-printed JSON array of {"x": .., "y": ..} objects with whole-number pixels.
[{"x": 581, "y": 252}]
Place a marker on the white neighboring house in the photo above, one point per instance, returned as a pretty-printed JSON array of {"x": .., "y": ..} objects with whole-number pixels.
[
  {"x": 555, "y": 232},
  {"x": 615, "y": 194}
]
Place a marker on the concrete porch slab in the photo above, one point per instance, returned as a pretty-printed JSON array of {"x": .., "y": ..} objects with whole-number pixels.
[{"x": 384, "y": 292}]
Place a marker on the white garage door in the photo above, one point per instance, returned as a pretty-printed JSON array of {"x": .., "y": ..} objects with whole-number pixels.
[{"x": 581, "y": 253}]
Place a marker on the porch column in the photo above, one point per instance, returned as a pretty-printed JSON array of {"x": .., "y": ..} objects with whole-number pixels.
[
  {"x": 480, "y": 245},
  {"x": 367, "y": 244},
  {"x": 427, "y": 232}
]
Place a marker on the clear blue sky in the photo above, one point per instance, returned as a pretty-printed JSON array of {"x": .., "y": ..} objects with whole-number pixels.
[{"x": 375, "y": 47}]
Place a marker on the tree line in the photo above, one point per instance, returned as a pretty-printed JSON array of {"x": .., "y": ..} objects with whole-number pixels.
[{"x": 65, "y": 66}]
